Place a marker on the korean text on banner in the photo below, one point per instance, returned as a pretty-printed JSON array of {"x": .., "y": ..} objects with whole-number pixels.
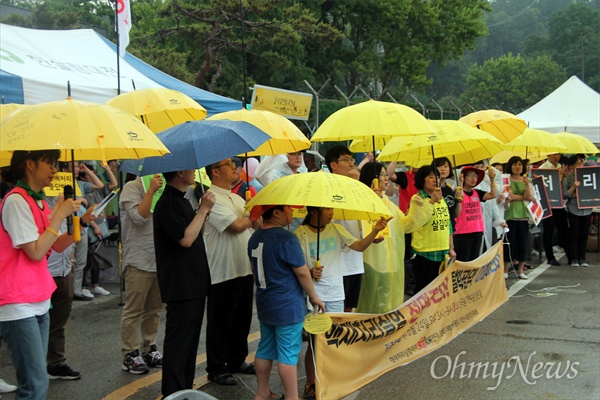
[
  {"x": 124, "y": 25},
  {"x": 292, "y": 105},
  {"x": 57, "y": 186},
  {"x": 373, "y": 344}
]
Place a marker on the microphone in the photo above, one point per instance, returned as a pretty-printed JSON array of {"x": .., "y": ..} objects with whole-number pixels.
[{"x": 69, "y": 193}]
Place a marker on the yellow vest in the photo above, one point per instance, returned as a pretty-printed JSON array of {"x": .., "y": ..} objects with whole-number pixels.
[{"x": 435, "y": 234}]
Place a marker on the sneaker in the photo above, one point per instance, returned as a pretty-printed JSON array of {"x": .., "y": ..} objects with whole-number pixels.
[
  {"x": 558, "y": 249},
  {"x": 63, "y": 372},
  {"x": 100, "y": 291},
  {"x": 153, "y": 358},
  {"x": 574, "y": 263},
  {"x": 584, "y": 263},
  {"x": 87, "y": 293},
  {"x": 6, "y": 387},
  {"x": 505, "y": 276},
  {"x": 80, "y": 297},
  {"x": 522, "y": 276},
  {"x": 309, "y": 392},
  {"x": 134, "y": 363},
  {"x": 554, "y": 262}
]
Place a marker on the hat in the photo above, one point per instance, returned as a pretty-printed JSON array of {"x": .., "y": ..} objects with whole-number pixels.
[
  {"x": 480, "y": 173},
  {"x": 258, "y": 211}
]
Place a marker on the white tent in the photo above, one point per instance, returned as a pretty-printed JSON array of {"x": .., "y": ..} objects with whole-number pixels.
[
  {"x": 573, "y": 107},
  {"x": 35, "y": 66}
]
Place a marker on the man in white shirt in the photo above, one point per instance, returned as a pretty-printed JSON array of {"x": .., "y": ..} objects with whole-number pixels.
[
  {"x": 229, "y": 306},
  {"x": 340, "y": 161}
]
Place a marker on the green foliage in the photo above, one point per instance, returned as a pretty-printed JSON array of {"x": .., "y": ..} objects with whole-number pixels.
[
  {"x": 512, "y": 83},
  {"x": 388, "y": 44},
  {"x": 573, "y": 40}
]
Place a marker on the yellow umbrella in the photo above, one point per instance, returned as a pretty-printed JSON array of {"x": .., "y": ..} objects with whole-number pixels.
[
  {"x": 374, "y": 122},
  {"x": 577, "y": 144},
  {"x": 159, "y": 108},
  {"x": 8, "y": 109},
  {"x": 505, "y": 155},
  {"x": 454, "y": 139},
  {"x": 536, "y": 141},
  {"x": 350, "y": 199},
  {"x": 86, "y": 130},
  {"x": 503, "y": 125},
  {"x": 285, "y": 136}
]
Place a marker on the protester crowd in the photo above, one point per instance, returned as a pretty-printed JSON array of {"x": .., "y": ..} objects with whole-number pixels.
[{"x": 207, "y": 252}]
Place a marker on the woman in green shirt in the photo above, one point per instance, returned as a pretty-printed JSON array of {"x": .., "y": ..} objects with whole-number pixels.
[{"x": 517, "y": 216}]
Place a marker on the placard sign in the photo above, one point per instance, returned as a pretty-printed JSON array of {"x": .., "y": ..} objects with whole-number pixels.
[
  {"x": 553, "y": 186},
  {"x": 540, "y": 193},
  {"x": 588, "y": 192}
]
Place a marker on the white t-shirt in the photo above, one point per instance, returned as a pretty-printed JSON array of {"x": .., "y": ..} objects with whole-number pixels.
[
  {"x": 352, "y": 261},
  {"x": 332, "y": 242},
  {"x": 227, "y": 252},
  {"x": 18, "y": 221}
]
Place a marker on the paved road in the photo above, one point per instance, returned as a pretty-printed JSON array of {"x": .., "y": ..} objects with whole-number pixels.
[{"x": 563, "y": 328}]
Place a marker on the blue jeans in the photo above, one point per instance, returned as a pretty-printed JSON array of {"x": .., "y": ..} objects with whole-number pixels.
[{"x": 27, "y": 343}]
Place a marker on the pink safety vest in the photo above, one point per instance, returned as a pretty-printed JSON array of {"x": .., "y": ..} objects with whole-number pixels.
[
  {"x": 470, "y": 219},
  {"x": 23, "y": 280}
]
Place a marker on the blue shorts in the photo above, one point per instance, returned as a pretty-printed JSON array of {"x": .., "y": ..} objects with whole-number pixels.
[
  {"x": 330, "y": 306},
  {"x": 281, "y": 343}
]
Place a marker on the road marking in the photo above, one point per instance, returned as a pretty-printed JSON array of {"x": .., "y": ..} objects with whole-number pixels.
[
  {"x": 524, "y": 282},
  {"x": 134, "y": 387}
]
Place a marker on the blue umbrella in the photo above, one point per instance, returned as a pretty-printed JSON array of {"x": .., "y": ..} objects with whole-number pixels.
[{"x": 195, "y": 144}]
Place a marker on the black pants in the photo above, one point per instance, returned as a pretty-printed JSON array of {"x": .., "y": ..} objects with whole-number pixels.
[
  {"x": 425, "y": 271},
  {"x": 182, "y": 335},
  {"x": 229, "y": 315},
  {"x": 558, "y": 220},
  {"x": 62, "y": 302},
  {"x": 579, "y": 230},
  {"x": 468, "y": 246}
]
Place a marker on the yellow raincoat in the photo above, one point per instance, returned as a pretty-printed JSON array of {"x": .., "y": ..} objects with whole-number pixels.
[{"x": 382, "y": 287}]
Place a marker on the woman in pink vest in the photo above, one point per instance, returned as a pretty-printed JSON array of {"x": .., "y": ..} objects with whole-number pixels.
[
  {"x": 29, "y": 229},
  {"x": 469, "y": 228}
]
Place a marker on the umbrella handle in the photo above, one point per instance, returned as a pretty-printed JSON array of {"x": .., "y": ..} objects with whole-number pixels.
[
  {"x": 76, "y": 229},
  {"x": 317, "y": 264},
  {"x": 248, "y": 195}
]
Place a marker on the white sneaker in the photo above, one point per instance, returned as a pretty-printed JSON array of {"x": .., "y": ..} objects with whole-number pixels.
[
  {"x": 87, "y": 293},
  {"x": 6, "y": 387},
  {"x": 505, "y": 276},
  {"x": 523, "y": 276},
  {"x": 100, "y": 291}
]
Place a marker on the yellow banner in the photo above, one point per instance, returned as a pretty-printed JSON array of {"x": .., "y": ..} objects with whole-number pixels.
[
  {"x": 372, "y": 345},
  {"x": 57, "y": 186},
  {"x": 292, "y": 105}
]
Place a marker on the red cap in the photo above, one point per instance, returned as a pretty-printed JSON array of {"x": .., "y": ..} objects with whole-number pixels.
[
  {"x": 480, "y": 173},
  {"x": 258, "y": 211}
]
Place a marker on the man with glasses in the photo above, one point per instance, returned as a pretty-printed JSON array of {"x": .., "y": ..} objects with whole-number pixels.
[
  {"x": 229, "y": 307},
  {"x": 340, "y": 161}
]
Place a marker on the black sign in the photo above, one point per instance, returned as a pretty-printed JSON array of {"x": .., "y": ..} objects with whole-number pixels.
[
  {"x": 588, "y": 192},
  {"x": 553, "y": 186},
  {"x": 540, "y": 192}
]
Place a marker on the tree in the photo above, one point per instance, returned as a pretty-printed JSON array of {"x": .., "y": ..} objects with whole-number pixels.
[
  {"x": 511, "y": 83},
  {"x": 573, "y": 41},
  {"x": 388, "y": 44},
  {"x": 208, "y": 35}
]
